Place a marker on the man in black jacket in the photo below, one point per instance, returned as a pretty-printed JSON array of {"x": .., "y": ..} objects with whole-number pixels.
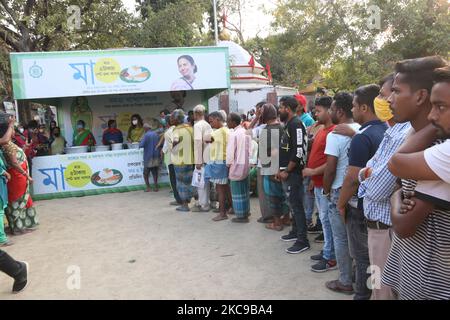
[{"x": 293, "y": 154}]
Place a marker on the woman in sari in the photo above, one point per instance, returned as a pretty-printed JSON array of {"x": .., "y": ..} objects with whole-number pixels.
[
  {"x": 83, "y": 137},
  {"x": 4, "y": 177},
  {"x": 20, "y": 213}
]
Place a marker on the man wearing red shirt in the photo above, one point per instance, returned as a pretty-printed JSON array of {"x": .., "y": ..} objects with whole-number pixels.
[{"x": 315, "y": 169}]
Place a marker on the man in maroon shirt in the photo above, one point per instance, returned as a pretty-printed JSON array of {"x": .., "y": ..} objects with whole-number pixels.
[{"x": 315, "y": 169}]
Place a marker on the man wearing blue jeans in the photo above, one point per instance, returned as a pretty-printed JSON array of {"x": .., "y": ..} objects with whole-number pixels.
[
  {"x": 315, "y": 169},
  {"x": 337, "y": 163},
  {"x": 308, "y": 201},
  {"x": 362, "y": 148},
  {"x": 293, "y": 151}
]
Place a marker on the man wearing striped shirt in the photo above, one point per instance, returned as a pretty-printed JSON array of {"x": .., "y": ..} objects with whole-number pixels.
[{"x": 418, "y": 265}]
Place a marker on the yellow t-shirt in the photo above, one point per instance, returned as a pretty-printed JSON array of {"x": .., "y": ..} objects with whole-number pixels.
[
  {"x": 183, "y": 152},
  {"x": 218, "y": 151}
]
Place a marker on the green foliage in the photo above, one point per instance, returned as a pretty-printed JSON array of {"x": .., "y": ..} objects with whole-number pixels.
[
  {"x": 178, "y": 23},
  {"x": 331, "y": 40},
  {"x": 27, "y": 25},
  {"x": 43, "y": 25}
]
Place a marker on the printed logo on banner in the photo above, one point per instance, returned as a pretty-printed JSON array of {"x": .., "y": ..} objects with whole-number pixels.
[
  {"x": 107, "y": 178},
  {"x": 135, "y": 74},
  {"x": 35, "y": 71}
]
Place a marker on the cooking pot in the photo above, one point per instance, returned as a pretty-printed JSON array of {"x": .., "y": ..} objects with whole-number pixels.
[
  {"x": 80, "y": 149},
  {"x": 117, "y": 146}
]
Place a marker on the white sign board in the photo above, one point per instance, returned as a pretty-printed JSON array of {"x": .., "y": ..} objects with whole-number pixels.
[
  {"x": 72, "y": 173},
  {"x": 108, "y": 72}
]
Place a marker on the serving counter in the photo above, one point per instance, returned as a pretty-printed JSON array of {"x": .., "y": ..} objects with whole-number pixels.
[{"x": 90, "y": 173}]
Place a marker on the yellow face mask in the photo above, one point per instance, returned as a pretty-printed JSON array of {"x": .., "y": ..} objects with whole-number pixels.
[{"x": 383, "y": 109}]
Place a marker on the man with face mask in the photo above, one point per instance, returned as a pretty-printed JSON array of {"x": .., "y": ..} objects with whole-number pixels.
[{"x": 378, "y": 187}]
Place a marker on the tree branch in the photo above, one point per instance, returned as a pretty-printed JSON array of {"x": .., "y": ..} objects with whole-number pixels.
[
  {"x": 349, "y": 32},
  {"x": 6, "y": 37},
  {"x": 237, "y": 30},
  {"x": 11, "y": 13}
]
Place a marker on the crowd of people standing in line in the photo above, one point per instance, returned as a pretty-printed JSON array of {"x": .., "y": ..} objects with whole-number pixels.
[{"x": 375, "y": 163}]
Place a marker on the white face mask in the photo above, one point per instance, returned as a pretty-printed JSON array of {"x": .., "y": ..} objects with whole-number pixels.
[
  {"x": 135, "y": 122},
  {"x": 21, "y": 130}
]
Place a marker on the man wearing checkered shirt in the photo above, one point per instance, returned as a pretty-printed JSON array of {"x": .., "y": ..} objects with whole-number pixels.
[{"x": 376, "y": 191}]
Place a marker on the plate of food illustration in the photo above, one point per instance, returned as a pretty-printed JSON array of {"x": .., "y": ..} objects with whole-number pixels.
[
  {"x": 135, "y": 74},
  {"x": 106, "y": 178}
]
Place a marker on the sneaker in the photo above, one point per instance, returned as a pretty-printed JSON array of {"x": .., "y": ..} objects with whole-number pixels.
[
  {"x": 317, "y": 257},
  {"x": 21, "y": 280},
  {"x": 289, "y": 237},
  {"x": 337, "y": 286},
  {"x": 324, "y": 266},
  {"x": 207, "y": 209},
  {"x": 196, "y": 209},
  {"x": 319, "y": 239},
  {"x": 297, "y": 248},
  {"x": 240, "y": 220},
  {"x": 314, "y": 229}
]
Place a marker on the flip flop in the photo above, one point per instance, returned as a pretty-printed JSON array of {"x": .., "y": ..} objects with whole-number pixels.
[
  {"x": 220, "y": 218},
  {"x": 261, "y": 220}
]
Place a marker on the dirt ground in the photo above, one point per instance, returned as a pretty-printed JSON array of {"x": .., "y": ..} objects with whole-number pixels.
[{"x": 135, "y": 246}]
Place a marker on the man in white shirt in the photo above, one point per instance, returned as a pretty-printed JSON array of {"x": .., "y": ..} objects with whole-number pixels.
[
  {"x": 202, "y": 129},
  {"x": 336, "y": 150}
]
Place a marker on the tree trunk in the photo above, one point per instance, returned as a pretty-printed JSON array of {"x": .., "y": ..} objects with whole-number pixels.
[{"x": 24, "y": 109}]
